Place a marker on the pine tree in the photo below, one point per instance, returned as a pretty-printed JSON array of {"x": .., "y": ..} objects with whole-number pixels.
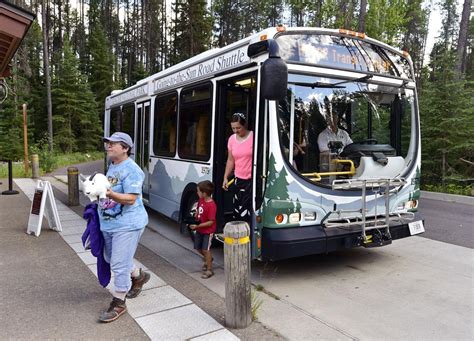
[
  {"x": 227, "y": 21},
  {"x": 415, "y": 34},
  {"x": 100, "y": 66},
  {"x": 386, "y": 20},
  {"x": 191, "y": 30},
  {"x": 77, "y": 124},
  {"x": 447, "y": 112},
  {"x": 11, "y": 131}
]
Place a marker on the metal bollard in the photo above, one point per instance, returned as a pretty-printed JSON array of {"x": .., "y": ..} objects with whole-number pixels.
[
  {"x": 10, "y": 190},
  {"x": 34, "y": 166},
  {"x": 238, "y": 310},
  {"x": 73, "y": 186}
]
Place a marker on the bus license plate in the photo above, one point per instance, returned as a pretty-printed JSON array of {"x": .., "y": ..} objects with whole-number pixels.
[{"x": 416, "y": 227}]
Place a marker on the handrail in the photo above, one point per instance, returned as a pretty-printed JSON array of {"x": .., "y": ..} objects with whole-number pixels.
[{"x": 317, "y": 176}]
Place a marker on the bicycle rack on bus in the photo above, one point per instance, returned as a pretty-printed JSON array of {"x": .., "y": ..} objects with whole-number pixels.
[{"x": 373, "y": 222}]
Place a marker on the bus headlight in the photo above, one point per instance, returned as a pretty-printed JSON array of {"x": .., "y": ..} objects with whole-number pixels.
[
  {"x": 309, "y": 216},
  {"x": 412, "y": 204},
  {"x": 295, "y": 218}
]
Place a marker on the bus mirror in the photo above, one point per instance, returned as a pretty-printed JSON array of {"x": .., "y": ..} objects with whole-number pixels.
[{"x": 274, "y": 75}]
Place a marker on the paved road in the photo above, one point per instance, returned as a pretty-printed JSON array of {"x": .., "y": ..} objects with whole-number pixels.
[
  {"x": 84, "y": 168},
  {"x": 448, "y": 222}
]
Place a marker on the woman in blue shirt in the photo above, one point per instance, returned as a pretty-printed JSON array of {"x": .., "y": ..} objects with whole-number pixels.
[{"x": 122, "y": 221}]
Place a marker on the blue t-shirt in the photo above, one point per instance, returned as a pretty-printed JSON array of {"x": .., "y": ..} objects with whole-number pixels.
[{"x": 125, "y": 177}]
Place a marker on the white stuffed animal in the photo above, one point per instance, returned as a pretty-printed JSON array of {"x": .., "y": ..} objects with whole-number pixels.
[{"x": 95, "y": 186}]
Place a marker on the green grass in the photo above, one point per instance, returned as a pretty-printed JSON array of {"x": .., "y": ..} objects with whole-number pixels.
[
  {"x": 57, "y": 160},
  {"x": 256, "y": 303}
]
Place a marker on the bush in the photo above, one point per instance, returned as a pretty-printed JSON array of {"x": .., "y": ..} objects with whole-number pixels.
[
  {"x": 450, "y": 188},
  {"x": 46, "y": 158}
]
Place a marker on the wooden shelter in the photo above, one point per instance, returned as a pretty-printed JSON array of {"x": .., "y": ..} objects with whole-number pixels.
[{"x": 14, "y": 23}]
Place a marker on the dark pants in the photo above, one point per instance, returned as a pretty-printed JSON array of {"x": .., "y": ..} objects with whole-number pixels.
[{"x": 243, "y": 200}]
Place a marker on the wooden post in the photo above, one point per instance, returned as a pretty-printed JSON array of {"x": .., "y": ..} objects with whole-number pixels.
[
  {"x": 73, "y": 186},
  {"x": 238, "y": 310},
  {"x": 34, "y": 166},
  {"x": 443, "y": 168},
  {"x": 25, "y": 140}
]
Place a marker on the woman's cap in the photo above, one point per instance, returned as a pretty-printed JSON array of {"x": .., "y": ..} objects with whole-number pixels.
[{"x": 120, "y": 137}]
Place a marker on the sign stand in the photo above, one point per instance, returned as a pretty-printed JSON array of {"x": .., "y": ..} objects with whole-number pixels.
[{"x": 43, "y": 204}]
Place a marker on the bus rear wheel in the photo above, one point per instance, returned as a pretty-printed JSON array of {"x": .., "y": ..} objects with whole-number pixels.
[{"x": 189, "y": 214}]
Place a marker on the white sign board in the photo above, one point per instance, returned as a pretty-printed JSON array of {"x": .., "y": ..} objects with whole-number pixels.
[{"x": 43, "y": 203}]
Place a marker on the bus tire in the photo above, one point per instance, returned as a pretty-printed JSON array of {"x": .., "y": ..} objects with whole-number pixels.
[{"x": 189, "y": 206}]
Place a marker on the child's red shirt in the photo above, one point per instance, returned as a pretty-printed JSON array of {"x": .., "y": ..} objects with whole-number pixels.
[{"x": 206, "y": 210}]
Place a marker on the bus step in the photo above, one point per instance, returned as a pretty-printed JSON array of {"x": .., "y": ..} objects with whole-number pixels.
[{"x": 377, "y": 240}]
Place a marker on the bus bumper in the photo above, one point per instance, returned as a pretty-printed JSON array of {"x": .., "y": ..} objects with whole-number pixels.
[{"x": 293, "y": 242}]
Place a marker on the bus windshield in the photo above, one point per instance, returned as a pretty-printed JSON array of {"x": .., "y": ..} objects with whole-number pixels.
[
  {"x": 363, "y": 113},
  {"x": 342, "y": 53}
]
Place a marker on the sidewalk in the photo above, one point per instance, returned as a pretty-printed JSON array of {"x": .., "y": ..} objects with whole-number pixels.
[{"x": 50, "y": 289}]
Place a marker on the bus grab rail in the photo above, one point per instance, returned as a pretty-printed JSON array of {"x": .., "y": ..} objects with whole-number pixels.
[{"x": 317, "y": 176}]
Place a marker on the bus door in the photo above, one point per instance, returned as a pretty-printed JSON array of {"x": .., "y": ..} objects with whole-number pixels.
[
  {"x": 237, "y": 94},
  {"x": 142, "y": 139}
]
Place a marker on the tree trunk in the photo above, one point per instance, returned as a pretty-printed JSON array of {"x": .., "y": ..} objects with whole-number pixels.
[
  {"x": 363, "y": 12},
  {"x": 462, "y": 40},
  {"x": 47, "y": 75}
]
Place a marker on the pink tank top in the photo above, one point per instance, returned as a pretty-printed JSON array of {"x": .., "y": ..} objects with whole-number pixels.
[{"x": 242, "y": 153}]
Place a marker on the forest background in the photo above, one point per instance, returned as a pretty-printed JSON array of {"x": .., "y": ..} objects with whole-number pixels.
[{"x": 76, "y": 52}]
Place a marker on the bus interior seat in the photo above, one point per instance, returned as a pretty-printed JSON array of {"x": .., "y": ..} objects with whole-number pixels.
[{"x": 201, "y": 134}]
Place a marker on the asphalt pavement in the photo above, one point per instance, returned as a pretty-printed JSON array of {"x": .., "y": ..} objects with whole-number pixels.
[
  {"x": 50, "y": 290},
  {"x": 448, "y": 221},
  {"x": 47, "y": 292}
]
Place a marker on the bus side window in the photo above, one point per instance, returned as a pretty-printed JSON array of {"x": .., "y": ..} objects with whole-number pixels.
[
  {"x": 165, "y": 125},
  {"x": 115, "y": 120},
  {"x": 128, "y": 119},
  {"x": 195, "y": 123}
]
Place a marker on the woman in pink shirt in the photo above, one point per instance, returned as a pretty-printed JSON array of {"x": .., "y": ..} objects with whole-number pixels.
[{"x": 240, "y": 152}]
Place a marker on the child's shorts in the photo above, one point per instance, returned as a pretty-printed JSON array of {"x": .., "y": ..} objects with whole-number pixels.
[{"x": 203, "y": 241}]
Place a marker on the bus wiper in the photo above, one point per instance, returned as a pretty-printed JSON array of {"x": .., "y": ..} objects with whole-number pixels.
[
  {"x": 361, "y": 79},
  {"x": 319, "y": 85},
  {"x": 334, "y": 85}
]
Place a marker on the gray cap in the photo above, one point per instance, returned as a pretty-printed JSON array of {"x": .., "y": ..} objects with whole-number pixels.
[{"x": 120, "y": 137}]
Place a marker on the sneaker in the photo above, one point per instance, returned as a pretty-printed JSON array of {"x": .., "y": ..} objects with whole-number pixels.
[
  {"x": 116, "y": 309},
  {"x": 137, "y": 284}
]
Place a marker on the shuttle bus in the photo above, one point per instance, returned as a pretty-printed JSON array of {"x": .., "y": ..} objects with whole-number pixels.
[{"x": 311, "y": 194}]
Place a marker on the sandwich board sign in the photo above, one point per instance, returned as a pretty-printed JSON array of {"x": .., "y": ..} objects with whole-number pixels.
[{"x": 43, "y": 204}]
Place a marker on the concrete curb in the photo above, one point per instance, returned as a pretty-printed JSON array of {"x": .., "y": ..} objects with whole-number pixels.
[{"x": 458, "y": 199}]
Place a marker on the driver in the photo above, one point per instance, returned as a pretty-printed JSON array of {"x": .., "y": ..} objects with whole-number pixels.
[{"x": 332, "y": 131}]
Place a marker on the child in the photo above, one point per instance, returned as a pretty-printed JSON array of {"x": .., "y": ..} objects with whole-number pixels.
[{"x": 206, "y": 215}]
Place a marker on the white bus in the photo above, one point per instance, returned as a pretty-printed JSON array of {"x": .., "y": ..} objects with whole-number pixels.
[{"x": 308, "y": 198}]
